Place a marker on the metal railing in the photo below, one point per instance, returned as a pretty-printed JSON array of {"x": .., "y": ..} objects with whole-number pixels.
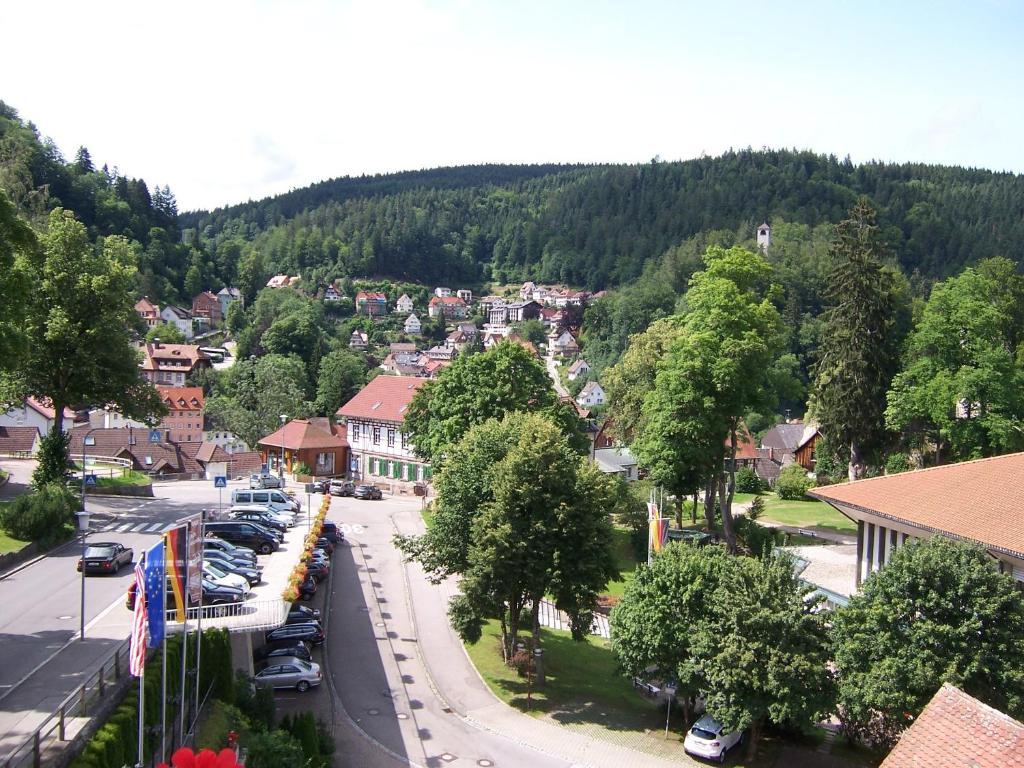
[
  {"x": 52, "y": 733},
  {"x": 246, "y": 616}
]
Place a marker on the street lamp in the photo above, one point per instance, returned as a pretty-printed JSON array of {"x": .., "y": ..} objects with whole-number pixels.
[
  {"x": 82, "y": 519},
  {"x": 280, "y": 465}
]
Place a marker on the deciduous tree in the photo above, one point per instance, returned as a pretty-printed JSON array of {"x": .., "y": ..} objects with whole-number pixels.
[{"x": 342, "y": 373}]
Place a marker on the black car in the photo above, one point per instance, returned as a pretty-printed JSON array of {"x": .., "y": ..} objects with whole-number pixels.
[
  {"x": 296, "y": 649},
  {"x": 367, "y": 492},
  {"x": 244, "y": 533},
  {"x": 252, "y": 575},
  {"x": 263, "y": 519},
  {"x": 310, "y": 632},
  {"x": 229, "y": 548},
  {"x": 307, "y": 588},
  {"x": 216, "y": 555},
  {"x": 332, "y": 532},
  {"x": 320, "y": 486},
  {"x": 299, "y": 614},
  {"x": 218, "y": 594},
  {"x": 105, "y": 557},
  {"x": 325, "y": 545},
  {"x": 318, "y": 569}
]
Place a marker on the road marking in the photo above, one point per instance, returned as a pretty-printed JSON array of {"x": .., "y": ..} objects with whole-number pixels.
[
  {"x": 153, "y": 527},
  {"x": 123, "y": 528}
]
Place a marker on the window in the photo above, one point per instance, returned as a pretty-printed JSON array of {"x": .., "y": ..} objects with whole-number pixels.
[
  {"x": 376, "y": 435},
  {"x": 404, "y": 440},
  {"x": 373, "y": 465},
  {"x": 355, "y": 430},
  {"x": 321, "y": 459},
  {"x": 391, "y": 438}
]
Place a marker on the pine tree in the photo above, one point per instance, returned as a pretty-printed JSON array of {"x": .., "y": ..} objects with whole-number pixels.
[{"x": 858, "y": 352}]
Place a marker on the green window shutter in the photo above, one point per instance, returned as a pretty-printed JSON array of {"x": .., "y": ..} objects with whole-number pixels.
[
  {"x": 427, "y": 472},
  {"x": 373, "y": 465},
  {"x": 398, "y": 470}
]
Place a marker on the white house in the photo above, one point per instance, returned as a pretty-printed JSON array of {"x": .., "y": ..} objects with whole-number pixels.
[
  {"x": 178, "y": 317},
  {"x": 358, "y": 340},
  {"x": 226, "y": 297},
  {"x": 379, "y": 451},
  {"x": 34, "y": 413},
  {"x": 441, "y": 292},
  {"x": 227, "y": 441},
  {"x": 592, "y": 394},
  {"x": 404, "y": 305},
  {"x": 526, "y": 292},
  {"x": 465, "y": 294},
  {"x": 563, "y": 344},
  {"x": 331, "y": 293},
  {"x": 578, "y": 370},
  {"x": 412, "y": 325}
]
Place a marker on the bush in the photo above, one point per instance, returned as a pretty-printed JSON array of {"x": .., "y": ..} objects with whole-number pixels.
[
  {"x": 748, "y": 481},
  {"x": 793, "y": 482},
  {"x": 255, "y": 703},
  {"x": 53, "y": 460},
  {"x": 756, "y": 508},
  {"x": 896, "y": 463},
  {"x": 43, "y": 516}
]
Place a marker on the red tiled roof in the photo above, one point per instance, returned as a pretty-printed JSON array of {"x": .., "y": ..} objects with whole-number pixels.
[
  {"x": 385, "y": 398},
  {"x": 178, "y": 352},
  {"x": 18, "y": 439},
  {"x": 454, "y": 300},
  {"x": 745, "y": 447},
  {"x": 371, "y": 296},
  {"x": 44, "y": 407},
  {"x": 147, "y": 306},
  {"x": 244, "y": 463},
  {"x": 973, "y": 500},
  {"x": 300, "y": 434},
  {"x": 181, "y": 398},
  {"x": 958, "y": 731}
]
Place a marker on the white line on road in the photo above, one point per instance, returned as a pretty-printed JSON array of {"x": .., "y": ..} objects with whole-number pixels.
[
  {"x": 123, "y": 528},
  {"x": 153, "y": 527}
]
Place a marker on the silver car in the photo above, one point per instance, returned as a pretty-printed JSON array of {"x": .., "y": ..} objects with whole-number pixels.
[{"x": 289, "y": 672}]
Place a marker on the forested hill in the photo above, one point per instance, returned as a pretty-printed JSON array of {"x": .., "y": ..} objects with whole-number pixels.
[{"x": 597, "y": 225}]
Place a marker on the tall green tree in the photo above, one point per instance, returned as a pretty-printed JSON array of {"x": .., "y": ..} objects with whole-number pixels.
[
  {"x": 962, "y": 387},
  {"x": 534, "y": 521},
  {"x": 342, "y": 374},
  {"x": 765, "y": 658},
  {"x": 78, "y": 320},
  {"x": 168, "y": 333},
  {"x": 18, "y": 256},
  {"x": 938, "y": 612},
  {"x": 859, "y": 345},
  {"x": 475, "y": 388}
]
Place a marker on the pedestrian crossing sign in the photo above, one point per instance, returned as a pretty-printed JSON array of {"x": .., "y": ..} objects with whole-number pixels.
[
  {"x": 90, "y": 480},
  {"x": 154, "y": 435},
  {"x": 220, "y": 481}
]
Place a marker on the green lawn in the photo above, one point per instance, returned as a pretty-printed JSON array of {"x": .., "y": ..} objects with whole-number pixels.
[
  {"x": 625, "y": 560},
  {"x": 586, "y": 693},
  {"x": 135, "y": 478},
  {"x": 7, "y": 544},
  {"x": 801, "y": 514}
]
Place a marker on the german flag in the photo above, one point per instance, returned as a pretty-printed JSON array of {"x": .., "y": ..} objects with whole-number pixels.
[{"x": 177, "y": 566}]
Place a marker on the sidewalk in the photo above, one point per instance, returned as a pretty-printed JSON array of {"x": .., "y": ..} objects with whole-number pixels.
[{"x": 456, "y": 680}]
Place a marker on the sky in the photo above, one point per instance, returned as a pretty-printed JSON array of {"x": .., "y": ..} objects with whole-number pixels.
[{"x": 229, "y": 101}]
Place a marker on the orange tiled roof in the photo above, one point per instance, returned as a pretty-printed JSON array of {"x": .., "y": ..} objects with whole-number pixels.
[
  {"x": 181, "y": 398},
  {"x": 385, "y": 398},
  {"x": 973, "y": 500},
  {"x": 958, "y": 731},
  {"x": 300, "y": 434}
]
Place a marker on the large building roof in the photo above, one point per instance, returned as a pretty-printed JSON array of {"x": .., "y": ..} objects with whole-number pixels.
[
  {"x": 182, "y": 398},
  {"x": 958, "y": 731},
  {"x": 974, "y": 500},
  {"x": 302, "y": 435},
  {"x": 385, "y": 398}
]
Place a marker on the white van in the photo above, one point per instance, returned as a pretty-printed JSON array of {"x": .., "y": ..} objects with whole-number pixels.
[{"x": 269, "y": 498}]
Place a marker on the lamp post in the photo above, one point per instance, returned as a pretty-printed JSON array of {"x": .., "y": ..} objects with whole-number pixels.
[
  {"x": 280, "y": 465},
  {"x": 82, "y": 520}
]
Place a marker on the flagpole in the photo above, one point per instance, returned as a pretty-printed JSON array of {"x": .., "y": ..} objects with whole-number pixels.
[
  {"x": 184, "y": 640},
  {"x": 650, "y": 530},
  {"x": 142, "y": 701},
  {"x": 199, "y": 618},
  {"x": 163, "y": 673}
]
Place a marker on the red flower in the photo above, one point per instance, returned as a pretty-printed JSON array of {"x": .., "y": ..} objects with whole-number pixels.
[{"x": 186, "y": 758}]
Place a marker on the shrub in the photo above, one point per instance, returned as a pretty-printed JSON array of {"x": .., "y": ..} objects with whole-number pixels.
[
  {"x": 43, "y": 516},
  {"x": 748, "y": 481},
  {"x": 896, "y": 463},
  {"x": 53, "y": 460},
  {"x": 793, "y": 482},
  {"x": 756, "y": 508}
]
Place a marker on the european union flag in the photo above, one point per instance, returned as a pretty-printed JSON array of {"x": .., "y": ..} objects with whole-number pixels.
[{"x": 155, "y": 584}]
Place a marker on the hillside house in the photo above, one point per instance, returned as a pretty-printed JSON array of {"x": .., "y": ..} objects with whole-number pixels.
[
  {"x": 412, "y": 325},
  {"x": 563, "y": 344},
  {"x": 179, "y": 318},
  {"x": 380, "y": 451},
  {"x": 592, "y": 394},
  {"x": 185, "y": 414},
  {"x": 148, "y": 311},
  {"x": 206, "y": 304},
  {"x": 578, "y": 370},
  {"x": 520, "y": 311},
  {"x": 358, "y": 340},
  {"x": 784, "y": 444},
  {"x": 404, "y": 304},
  {"x": 442, "y": 352},
  {"x": 465, "y": 294},
  {"x": 489, "y": 302},
  {"x": 36, "y": 413},
  {"x": 526, "y": 292},
  {"x": 371, "y": 304},
  {"x": 451, "y": 307},
  {"x": 332, "y": 294},
  {"x": 171, "y": 364},
  {"x": 442, "y": 293},
  {"x": 227, "y": 297}
]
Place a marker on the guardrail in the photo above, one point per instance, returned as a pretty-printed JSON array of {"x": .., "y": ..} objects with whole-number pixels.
[
  {"x": 52, "y": 733},
  {"x": 248, "y": 616}
]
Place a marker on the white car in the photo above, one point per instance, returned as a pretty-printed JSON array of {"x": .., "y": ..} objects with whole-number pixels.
[
  {"x": 707, "y": 739},
  {"x": 218, "y": 576}
]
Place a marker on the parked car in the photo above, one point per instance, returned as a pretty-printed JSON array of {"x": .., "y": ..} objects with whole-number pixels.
[
  {"x": 224, "y": 578},
  {"x": 229, "y": 548},
  {"x": 367, "y": 492},
  {"x": 248, "y": 534},
  {"x": 332, "y": 532},
  {"x": 707, "y": 739},
  {"x": 294, "y": 648},
  {"x": 275, "y": 500},
  {"x": 264, "y": 481},
  {"x": 310, "y": 632},
  {"x": 212, "y": 594},
  {"x": 105, "y": 557},
  {"x": 252, "y": 575},
  {"x": 262, "y": 518},
  {"x": 341, "y": 488},
  {"x": 323, "y": 553},
  {"x": 289, "y": 673},
  {"x": 307, "y": 588},
  {"x": 325, "y": 545},
  {"x": 300, "y": 613},
  {"x": 318, "y": 569},
  {"x": 218, "y": 556},
  {"x": 320, "y": 486},
  {"x": 286, "y": 516}
]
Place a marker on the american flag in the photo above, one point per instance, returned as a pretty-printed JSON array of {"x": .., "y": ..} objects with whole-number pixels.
[{"x": 137, "y": 649}]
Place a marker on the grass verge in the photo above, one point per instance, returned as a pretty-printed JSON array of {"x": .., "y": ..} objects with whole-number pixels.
[
  {"x": 8, "y": 544},
  {"x": 801, "y": 514},
  {"x": 135, "y": 478}
]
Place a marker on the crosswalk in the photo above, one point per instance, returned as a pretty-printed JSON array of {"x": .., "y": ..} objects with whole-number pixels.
[{"x": 137, "y": 528}]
